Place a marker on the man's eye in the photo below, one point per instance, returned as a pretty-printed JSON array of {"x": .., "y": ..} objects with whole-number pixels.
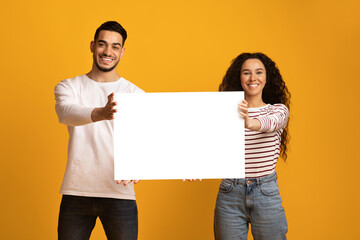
[
  {"x": 259, "y": 72},
  {"x": 116, "y": 48}
]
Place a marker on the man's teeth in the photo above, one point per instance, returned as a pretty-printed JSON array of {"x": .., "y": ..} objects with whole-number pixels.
[
  {"x": 253, "y": 85},
  {"x": 107, "y": 59}
]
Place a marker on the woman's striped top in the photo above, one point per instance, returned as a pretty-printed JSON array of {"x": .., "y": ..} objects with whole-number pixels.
[{"x": 262, "y": 148}]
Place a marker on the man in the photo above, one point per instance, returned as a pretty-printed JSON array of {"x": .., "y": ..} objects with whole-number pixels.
[{"x": 85, "y": 104}]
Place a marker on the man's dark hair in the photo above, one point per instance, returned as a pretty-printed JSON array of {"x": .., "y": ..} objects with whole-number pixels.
[{"x": 112, "y": 26}]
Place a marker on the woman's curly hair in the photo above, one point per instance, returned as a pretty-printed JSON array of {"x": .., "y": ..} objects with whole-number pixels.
[{"x": 275, "y": 90}]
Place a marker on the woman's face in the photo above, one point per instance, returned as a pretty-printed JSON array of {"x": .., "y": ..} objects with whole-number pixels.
[{"x": 253, "y": 77}]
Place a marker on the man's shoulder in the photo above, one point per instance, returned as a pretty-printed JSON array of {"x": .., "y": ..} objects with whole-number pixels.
[
  {"x": 78, "y": 80},
  {"x": 71, "y": 84},
  {"x": 127, "y": 86}
]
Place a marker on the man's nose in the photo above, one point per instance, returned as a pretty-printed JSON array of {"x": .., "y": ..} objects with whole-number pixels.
[{"x": 107, "y": 51}]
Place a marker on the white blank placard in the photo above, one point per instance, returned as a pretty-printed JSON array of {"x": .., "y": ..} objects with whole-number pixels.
[{"x": 182, "y": 135}]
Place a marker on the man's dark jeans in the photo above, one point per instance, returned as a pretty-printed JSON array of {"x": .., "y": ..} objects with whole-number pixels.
[{"x": 77, "y": 218}]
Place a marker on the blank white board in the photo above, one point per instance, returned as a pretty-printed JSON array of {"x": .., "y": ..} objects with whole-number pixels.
[{"x": 180, "y": 135}]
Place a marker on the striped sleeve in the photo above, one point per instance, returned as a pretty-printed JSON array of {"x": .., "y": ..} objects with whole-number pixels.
[{"x": 275, "y": 120}]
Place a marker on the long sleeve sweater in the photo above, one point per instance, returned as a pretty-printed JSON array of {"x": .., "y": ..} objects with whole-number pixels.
[
  {"x": 90, "y": 164},
  {"x": 262, "y": 148}
]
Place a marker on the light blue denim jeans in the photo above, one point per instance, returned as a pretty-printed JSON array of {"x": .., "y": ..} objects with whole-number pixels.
[{"x": 241, "y": 202}]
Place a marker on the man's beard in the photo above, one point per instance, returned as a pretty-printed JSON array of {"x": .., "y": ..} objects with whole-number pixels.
[{"x": 104, "y": 69}]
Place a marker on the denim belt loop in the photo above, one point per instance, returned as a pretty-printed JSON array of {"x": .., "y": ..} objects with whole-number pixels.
[{"x": 235, "y": 181}]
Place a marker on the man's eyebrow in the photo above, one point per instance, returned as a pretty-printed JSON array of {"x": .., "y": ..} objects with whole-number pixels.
[{"x": 103, "y": 41}]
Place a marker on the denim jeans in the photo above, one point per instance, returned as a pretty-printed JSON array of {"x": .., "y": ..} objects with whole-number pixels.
[
  {"x": 241, "y": 202},
  {"x": 78, "y": 215}
]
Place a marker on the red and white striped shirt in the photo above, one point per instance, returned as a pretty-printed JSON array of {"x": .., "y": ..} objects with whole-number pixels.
[{"x": 262, "y": 148}]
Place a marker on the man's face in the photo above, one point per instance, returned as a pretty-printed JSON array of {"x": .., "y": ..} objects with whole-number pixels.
[{"x": 107, "y": 50}]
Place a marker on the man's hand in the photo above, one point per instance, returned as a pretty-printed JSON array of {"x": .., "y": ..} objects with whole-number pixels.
[
  {"x": 105, "y": 113},
  {"x": 126, "y": 182}
]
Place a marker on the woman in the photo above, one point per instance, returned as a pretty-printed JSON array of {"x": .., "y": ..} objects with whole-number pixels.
[{"x": 255, "y": 199}]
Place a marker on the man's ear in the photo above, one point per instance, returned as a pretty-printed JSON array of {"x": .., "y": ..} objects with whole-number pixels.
[
  {"x": 92, "y": 46},
  {"x": 122, "y": 52}
]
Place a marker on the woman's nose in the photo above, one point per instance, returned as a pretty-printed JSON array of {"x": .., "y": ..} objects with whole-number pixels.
[{"x": 252, "y": 77}]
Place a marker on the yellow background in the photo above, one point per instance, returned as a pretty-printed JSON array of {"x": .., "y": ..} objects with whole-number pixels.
[{"x": 185, "y": 46}]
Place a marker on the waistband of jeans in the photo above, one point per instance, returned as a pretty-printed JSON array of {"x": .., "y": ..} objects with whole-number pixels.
[{"x": 245, "y": 181}]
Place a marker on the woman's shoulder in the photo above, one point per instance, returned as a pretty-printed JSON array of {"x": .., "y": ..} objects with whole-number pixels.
[
  {"x": 277, "y": 107},
  {"x": 269, "y": 109}
]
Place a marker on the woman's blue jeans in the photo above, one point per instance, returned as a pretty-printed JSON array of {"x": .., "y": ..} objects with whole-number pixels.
[
  {"x": 77, "y": 218},
  {"x": 241, "y": 202}
]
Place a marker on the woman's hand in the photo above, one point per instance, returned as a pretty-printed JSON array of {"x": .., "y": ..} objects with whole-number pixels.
[
  {"x": 252, "y": 124},
  {"x": 244, "y": 112}
]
